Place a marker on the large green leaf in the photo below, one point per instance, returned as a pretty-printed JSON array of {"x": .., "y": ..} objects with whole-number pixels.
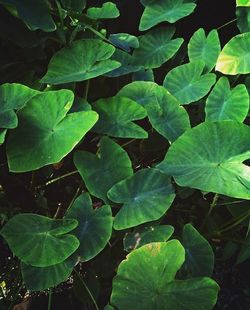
[
  {"x": 101, "y": 171},
  {"x": 146, "y": 280},
  {"x": 234, "y": 57},
  {"x": 199, "y": 260},
  {"x": 243, "y": 2},
  {"x": 41, "y": 278},
  {"x": 108, "y": 10},
  {"x": 38, "y": 240},
  {"x": 45, "y": 133},
  {"x": 35, "y": 14},
  {"x": 204, "y": 48},
  {"x": 156, "y": 47},
  {"x": 83, "y": 60},
  {"x": 210, "y": 157},
  {"x": 224, "y": 103},
  {"x": 187, "y": 83},
  {"x": 116, "y": 116},
  {"x": 145, "y": 196},
  {"x": 158, "y": 11},
  {"x": 94, "y": 229}
]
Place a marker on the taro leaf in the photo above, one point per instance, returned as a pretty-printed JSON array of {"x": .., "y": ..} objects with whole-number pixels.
[
  {"x": 187, "y": 83},
  {"x": 13, "y": 97},
  {"x": 167, "y": 116},
  {"x": 156, "y": 47},
  {"x": 126, "y": 62},
  {"x": 116, "y": 115},
  {"x": 108, "y": 10},
  {"x": 243, "y": 2},
  {"x": 234, "y": 57},
  {"x": 41, "y": 278},
  {"x": 74, "y": 5},
  {"x": 83, "y": 60},
  {"x": 101, "y": 171},
  {"x": 94, "y": 229},
  {"x": 199, "y": 256},
  {"x": 35, "y": 14},
  {"x": 226, "y": 104},
  {"x": 243, "y": 18},
  {"x": 210, "y": 157},
  {"x": 145, "y": 196},
  {"x": 124, "y": 41},
  {"x": 158, "y": 11},
  {"x": 146, "y": 280},
  {"x": 204, "y": 48},
  {"x": 38, "y": 240},
  {"x": 79, "y": 105},
  {"x": 45, "y": 133},
  {"x": 142, "y": 236}
]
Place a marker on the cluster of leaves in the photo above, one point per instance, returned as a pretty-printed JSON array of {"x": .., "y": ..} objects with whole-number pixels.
[{"x": 189, "y": 125}]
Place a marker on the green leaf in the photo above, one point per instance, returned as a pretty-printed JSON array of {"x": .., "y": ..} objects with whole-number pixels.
[
  {"x": 199, "y": 260},
  {"x": 74, "y": 5},
  {"x": 156, "y": 47},
  {"x": 116, "y": 115},
  {"x": 234, "y": 57},
  {"x": 83, "y": 60},
  {"x": 101, "y": 171},
  {"x": 204, "y": 48},
  {"x": 210, "y": 157},
  {"x": 146, "y": 280},
  {"x": 108, "y": 10},
  {"x": 158, "y": 11},
  {"x": 187, "y": 83},
  {"x": 145, "y": 235},
  {"x": 243, "y": 2},
  {"x": 144, "y": 75},
  {"x": 145, "y": 196},
  {"x": 38, "y": 240},
  {"x": 94, "y": 229},
  {"x": 40, "y": 138},
  {"x": 41, "y": 278},
  {"x": 224, "y": 103},
  {"x": 124, "y": 41},
  {"x": 243, "y": 18},
  {"x": 35, "y": 14},
  {"x": 2, "y": 135}
]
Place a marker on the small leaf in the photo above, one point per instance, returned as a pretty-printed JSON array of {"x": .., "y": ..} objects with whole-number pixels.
[
  {"x": 145, "y": 196},
  {"x": 74, "y": 5},
  {"x": 108, "y": 10},
  {"x": 124, "y": 41},
  {"x": 38, "y": 240}
]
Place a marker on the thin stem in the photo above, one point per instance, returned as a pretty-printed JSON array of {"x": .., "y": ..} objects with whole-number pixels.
[
  {"x": 86, "y": 90},
  {"x": 211, "y": 208},
  {"x": 236, "y": 223},
  {"x": 76, "y": 194},
  {"x": 50, "y": 298},
  {"x": 87, "y": 289},
  {"x": 99, "y": 34},
  {"x": 228, "y": 23},
  {"x": 57, "y": 179},
  {"x": 127, "y": 143}
]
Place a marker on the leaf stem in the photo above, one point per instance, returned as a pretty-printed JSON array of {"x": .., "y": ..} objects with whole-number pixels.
[
  {"x": 57, "y": 179},
  {"x": 211, "y": 208},
  {"x": 50, "y": 298},
  {"x": 86, "y": 90},
  {"x": 228, "y": 23},
  {"x": 235, "y": 223}
]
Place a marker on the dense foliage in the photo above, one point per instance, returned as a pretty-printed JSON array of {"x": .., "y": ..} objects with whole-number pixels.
[{"x": 124, "y": 177}]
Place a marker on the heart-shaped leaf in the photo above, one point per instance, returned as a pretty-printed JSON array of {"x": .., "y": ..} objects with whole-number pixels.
[
  {"x": 146, "y": 280},
  {"x": 116, "y": 116},
  {"x": 187, "y": 83},
  {"x": 224, "y": 103},
  {"x": 108, "y": 10},
  {"x": 234, "y": 57},
  {"x": 101, "y": 171},
  {"x": 83, "y": 60},
  {"x": 38, "y": 240},
  {"x": 40, "y": 137},
  {"x": 145, "y": 196},
  {"x": 156, "y": 47},
  {"x": 204, "y": 48},
  {"x": 210, "y": 157},
  {"x": 94, "y": 229},
  {"x": 158, "y": 11}
]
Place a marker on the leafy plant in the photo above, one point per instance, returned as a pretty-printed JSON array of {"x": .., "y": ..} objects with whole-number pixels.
[{"x": 121, "y": 149}]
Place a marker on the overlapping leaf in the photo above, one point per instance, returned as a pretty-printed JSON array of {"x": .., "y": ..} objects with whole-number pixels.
[
  {"x": 74, "y": 5},
  {"x": 108, "y": 10},
  {"x": 124, "y": 41}
]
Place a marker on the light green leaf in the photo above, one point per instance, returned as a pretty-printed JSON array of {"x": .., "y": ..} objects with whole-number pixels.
[
  {"x": 243, "y": 2},
  {"x": 38, "y": 240},
  {"x": 204, "y": 48},
  {"x": 145, "y": 196},
  {"x": 83, "y": 60},
  {"x": 210, "y": 157},
  {"x": 187, "y": 83},
  {"x": 94, "y": 229},
  {"x": 116, "y": 116},
  {"x": 2, "y": 135},
  {"x": 156, "y": 47},
  {"x": 124, "y": 41},
  {"x": 224, "y": 103},
  {"x": 234, "y": 57},
  {"x": 101, "y": 171},
  {"x": 146, "y": 280},
  {"x": 74, "y": 5},
  {"x": 108, "y": 10},
  {"x": 40, "y": 137},
  {"x": 158, "y": 11}
]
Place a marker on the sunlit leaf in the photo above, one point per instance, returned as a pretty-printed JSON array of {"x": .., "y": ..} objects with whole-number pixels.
[{"x": 108, "y": 10}]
